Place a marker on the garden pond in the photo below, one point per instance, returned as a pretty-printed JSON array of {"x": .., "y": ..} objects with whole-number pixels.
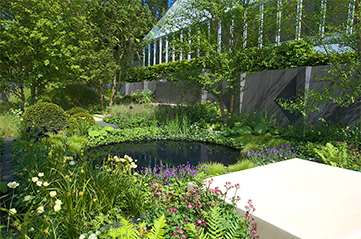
[{"x": 168, "y": 153}]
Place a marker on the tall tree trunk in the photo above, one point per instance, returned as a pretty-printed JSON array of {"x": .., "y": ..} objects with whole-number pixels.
[
  {"x": 231, "y": 104},
  {"x": 114, "y": 85},
  {"x": 33, "y": 93},
  {"x": 221, "y": 105},
  {"x": 101, "y": 94},
  {"x": 6, "y": 99},
  {"x": 22, "y": 97}
]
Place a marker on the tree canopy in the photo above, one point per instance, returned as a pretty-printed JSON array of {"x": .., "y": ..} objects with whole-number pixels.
[{"x": 49, "y": 43}]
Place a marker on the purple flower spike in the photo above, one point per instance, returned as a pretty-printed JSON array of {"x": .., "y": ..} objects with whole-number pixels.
[{"x": 130, "y": 107}]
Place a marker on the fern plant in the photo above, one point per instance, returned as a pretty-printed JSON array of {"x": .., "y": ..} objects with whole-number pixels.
[
  {"x": 335, "y": 156},
  {"x": 218, "y": 227},
  {"x": 129, "y": 230}
]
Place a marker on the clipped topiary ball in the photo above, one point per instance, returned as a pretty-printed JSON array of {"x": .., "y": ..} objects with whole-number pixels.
[
  {"x": 76, "y": 110},
  {"x": 44, "y": 114},
  {"x": 80, "y": 118}
]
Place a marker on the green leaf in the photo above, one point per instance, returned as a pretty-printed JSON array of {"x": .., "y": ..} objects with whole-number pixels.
[
  {"x": 108, "y": 128},
  {"x": 3, "y": 187},
  {"x": 94, "y": 133}
]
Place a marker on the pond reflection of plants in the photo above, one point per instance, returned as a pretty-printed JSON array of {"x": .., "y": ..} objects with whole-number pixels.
[
  {"x": 60, "y": 195},
  {"x": 172, "y": 153}
]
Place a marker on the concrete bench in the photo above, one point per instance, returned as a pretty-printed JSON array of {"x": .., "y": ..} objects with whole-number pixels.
[{"x": 300, "y": 199}]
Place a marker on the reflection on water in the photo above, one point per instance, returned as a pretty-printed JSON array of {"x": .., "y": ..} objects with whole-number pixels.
[{"x": 168, "y": 153}]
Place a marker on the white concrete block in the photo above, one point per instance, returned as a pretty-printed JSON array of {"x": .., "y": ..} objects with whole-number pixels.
[{"x": 300, "y": 199}]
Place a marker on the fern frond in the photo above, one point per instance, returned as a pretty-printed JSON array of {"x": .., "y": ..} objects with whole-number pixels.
[
  {"x": 193, "y": 233},
  {"x": 158, "y": 228},
  {"x": 235, "y": 230},
  {"x": 215, "y": 225},
  {"x": 126, "y": 230}
]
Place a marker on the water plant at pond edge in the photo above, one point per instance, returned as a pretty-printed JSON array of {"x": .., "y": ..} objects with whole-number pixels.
[{"x": 270, "y": 155}]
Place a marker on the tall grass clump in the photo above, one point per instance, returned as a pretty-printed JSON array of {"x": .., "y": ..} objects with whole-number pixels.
[
  {"x": 10, "y": 125},
  {"x": 132, "y": 115}
]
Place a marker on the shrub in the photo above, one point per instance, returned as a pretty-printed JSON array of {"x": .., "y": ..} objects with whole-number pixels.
[
  {"x": 74, "y": 95},
  {"x": 3, "y": 107},
  {"x": 48, "y": 115},
  {"x": 76, "y": 110},
  {"x": 80, "y": 118}
]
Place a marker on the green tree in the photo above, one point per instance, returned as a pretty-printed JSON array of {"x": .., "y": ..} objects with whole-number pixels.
[
  {"x": 158, "y": 7},
  {"x": 216, "y": 29},
  {"x": 34, "y": 47},
  {"x": 116, "y": 27},
  {"x": 340, "y": 38}
]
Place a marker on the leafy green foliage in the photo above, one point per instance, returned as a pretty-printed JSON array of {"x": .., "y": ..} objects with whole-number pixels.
[
  {"x": 217, "y": 227},
  {"x": 79, "y": 123},
  {"x": 287, "y": 55},
  {"x": 36, "y": 50},
  {"x": 237, "y": 130},
  {"x": 75, "y": 95},
  {"x": 338, "y": 156},
  {"x": 241, "y": 165},
  {"x": 82, "y": 118},
  {"x": 9, "y": 125},
  {"x": 76, "y": 110},
  {"x": 343, "y": 79},
  {"x": 48, "y": 115}
]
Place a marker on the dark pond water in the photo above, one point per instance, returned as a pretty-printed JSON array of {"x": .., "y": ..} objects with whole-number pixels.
[{"x": 168, "y": 153}]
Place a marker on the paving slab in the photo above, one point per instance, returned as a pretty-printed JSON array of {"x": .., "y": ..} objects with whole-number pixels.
[
  {"x": 300, "y": 199},
  {"x": 99, "y": 119},
  {"x": 6, "y": 172}
]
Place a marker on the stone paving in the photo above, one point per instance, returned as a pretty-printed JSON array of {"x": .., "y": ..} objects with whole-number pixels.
[{"x": 6, "y": 173}]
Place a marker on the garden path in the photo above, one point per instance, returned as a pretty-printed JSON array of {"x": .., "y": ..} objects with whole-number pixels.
[
  {"x": 7, "y": 173},
  {"x": 99, "y": 120}
]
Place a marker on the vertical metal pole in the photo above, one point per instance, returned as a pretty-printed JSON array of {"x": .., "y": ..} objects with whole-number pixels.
[
  {"x": 181, "y": 50},
  {"x": 350, "y": 18},
  {"x": 189, "y": 43},
  {"x": 149, "y": 48},
  {"x": 143, "y": 56},
  {"x": 323, "y": 18},
  {"x": 166, "y": 49},
  {"x": 154, "y": 53},
  {"x": 299, "y": 18},
  {"x": 219, "y": 37},
  {"x": 245, "y": 30},
  {"x": 160, "y": 50},
  {"x": 279, "y": 16},
  {"x": 260, "y": 30}
]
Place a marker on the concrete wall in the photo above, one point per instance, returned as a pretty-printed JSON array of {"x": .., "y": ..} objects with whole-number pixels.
[
  {"x": 264, "y": 88},
  {"x": 261, "y": 91}
]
